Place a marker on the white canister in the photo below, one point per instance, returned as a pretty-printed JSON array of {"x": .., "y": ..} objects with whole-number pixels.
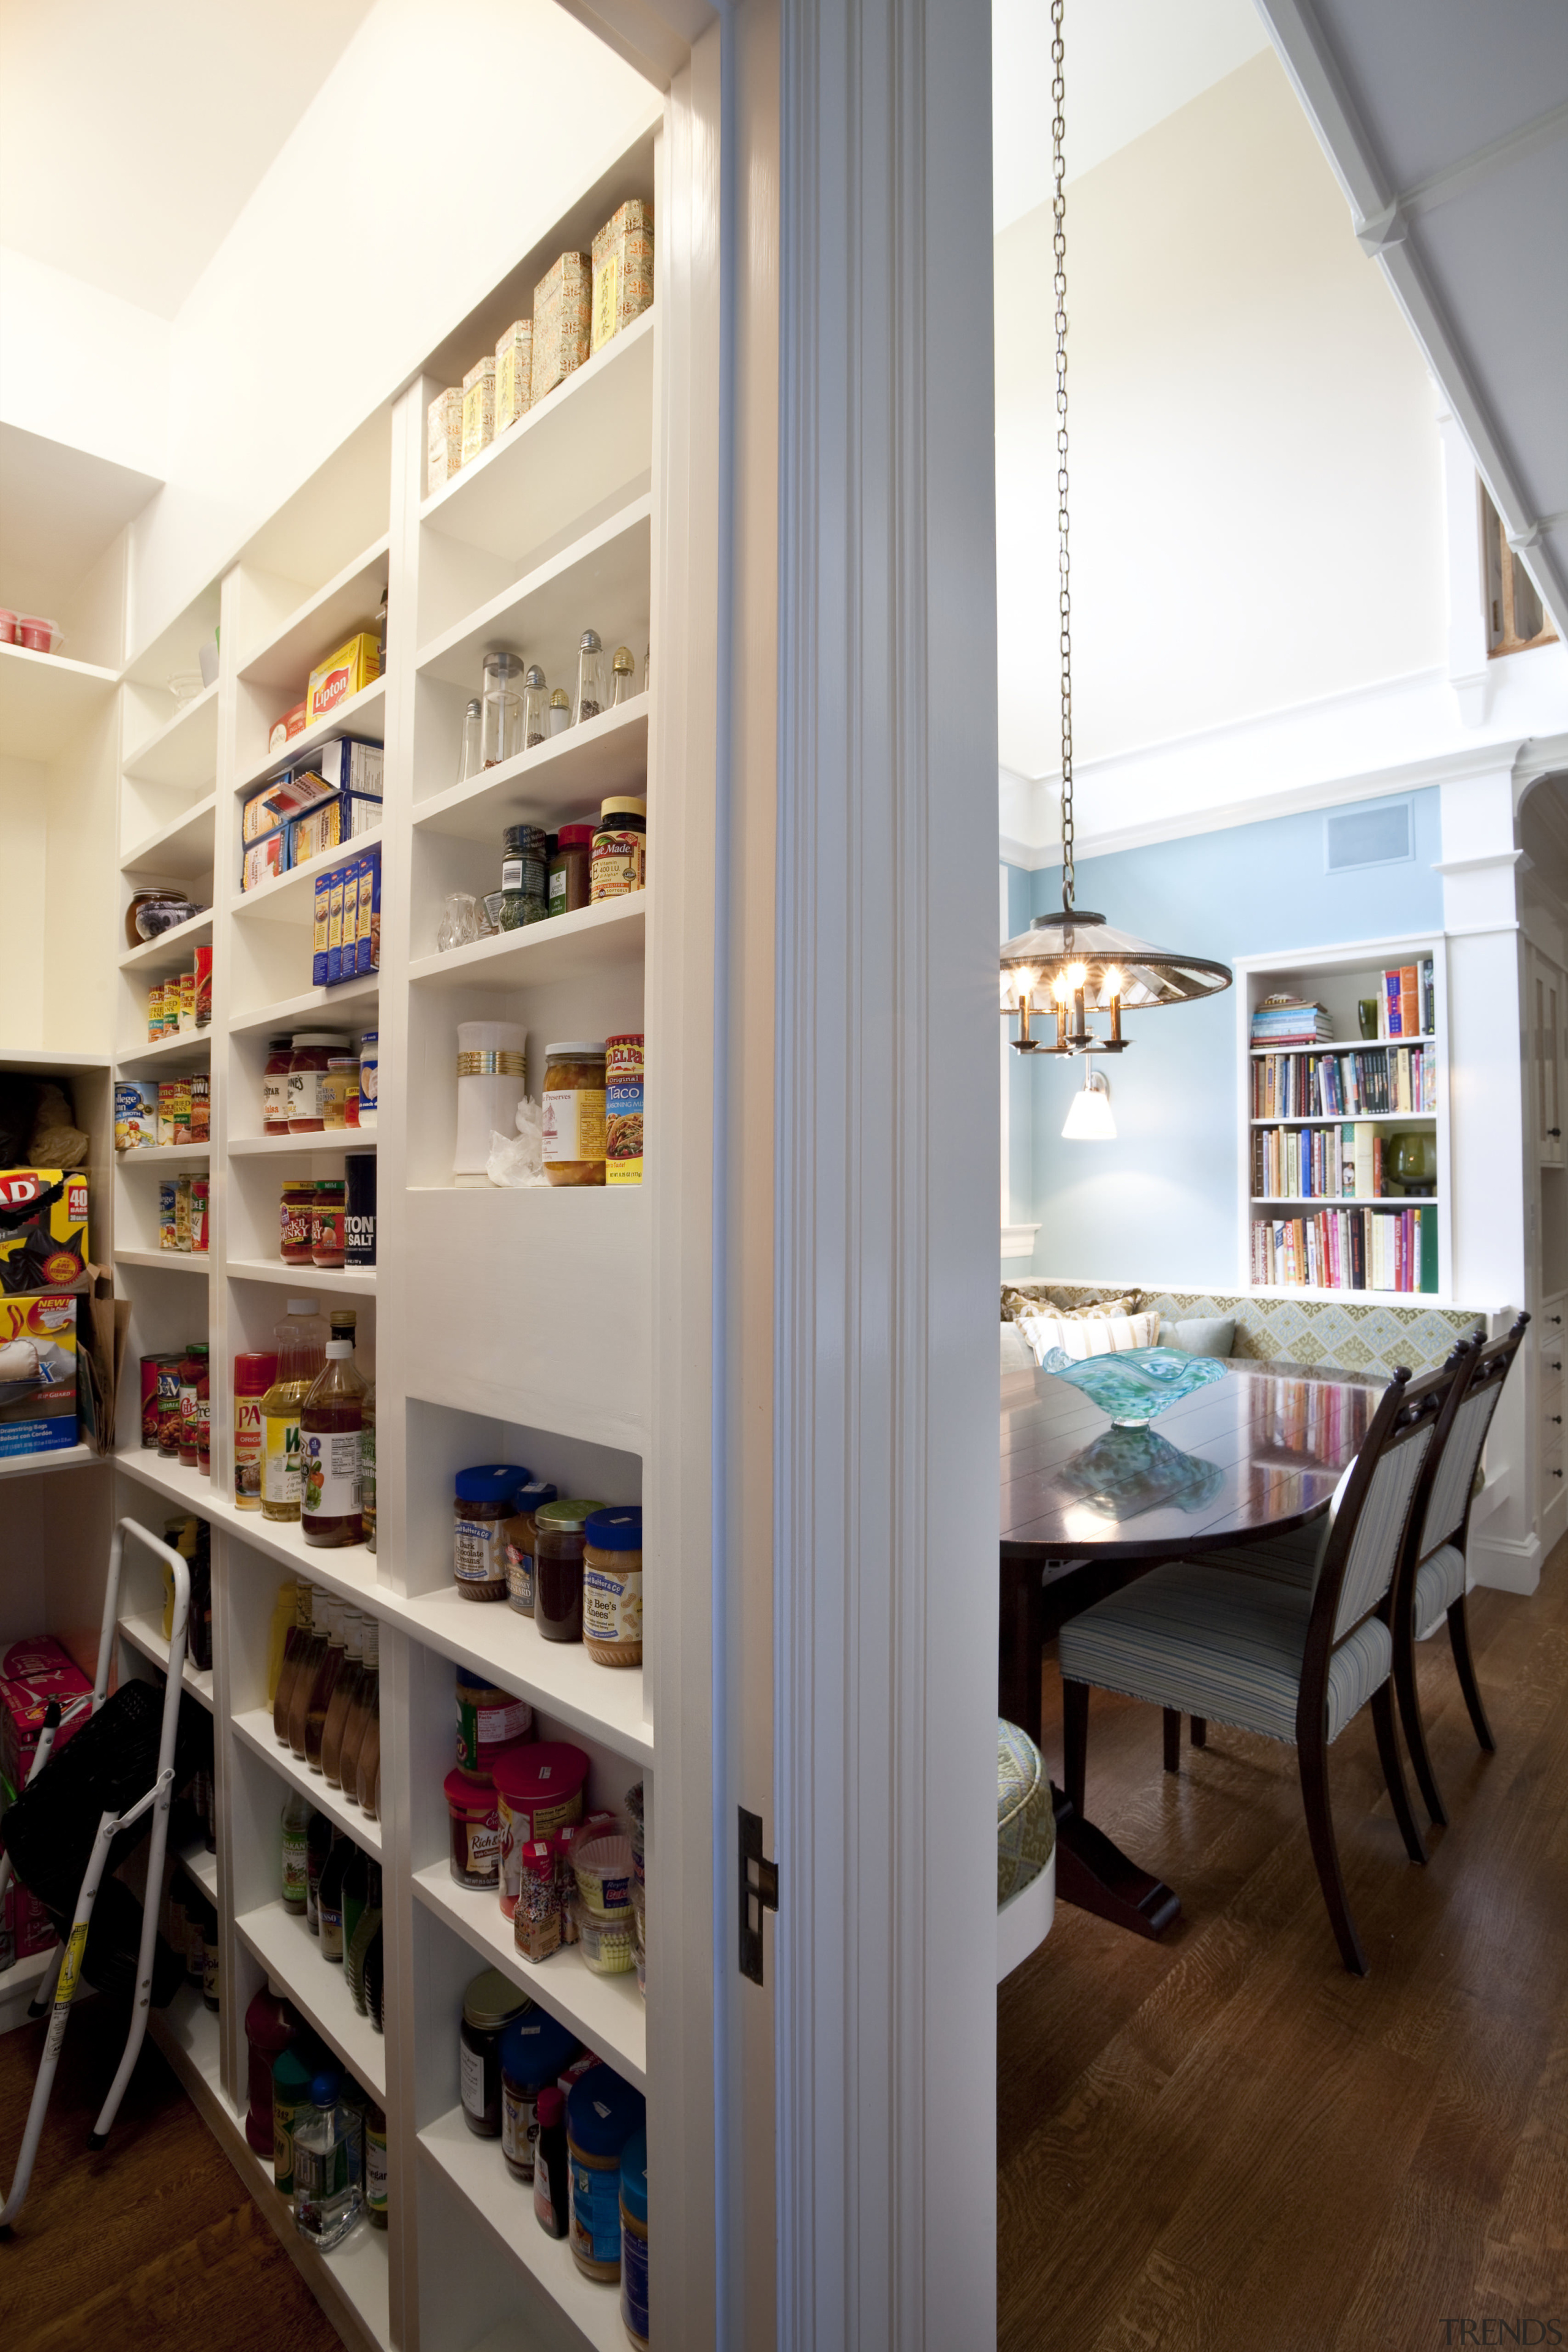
[
  {"x": 369, "y": 1076},
  {"x": 491, "y": 1078}
]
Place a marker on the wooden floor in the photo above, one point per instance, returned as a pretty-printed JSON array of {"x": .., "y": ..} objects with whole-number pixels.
[
  {"x": 1222, "y": 2140},
  {"x": 155, "y": 2243}
]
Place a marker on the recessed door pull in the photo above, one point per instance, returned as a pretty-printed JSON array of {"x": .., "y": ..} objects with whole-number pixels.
[{"x": 759, "y": 1893}]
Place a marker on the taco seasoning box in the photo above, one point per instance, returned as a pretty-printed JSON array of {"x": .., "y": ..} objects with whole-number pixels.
[
  {"x": 253, "y": 1376},
  {"x": 574, "y": 1113},
  {"x": 520, "y": 1536},
  {"x": 201, "y": 1194},
  {"x": 620, "y": 848},
  {"x": 490, "y": 2002},
  {"x": 623, "y": 1108},
  {"x": 612, "y": 1586},
  {"x": 483, "y": 1501},
  {"x": 601, "y": 2115},
  {"x": 201, "y": 1107}
]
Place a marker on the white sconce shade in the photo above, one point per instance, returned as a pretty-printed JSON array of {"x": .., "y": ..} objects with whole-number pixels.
[{"x": 1089, "y": 1118}]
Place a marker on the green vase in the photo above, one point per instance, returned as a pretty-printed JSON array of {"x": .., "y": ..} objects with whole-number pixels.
[{"x": 1412, "y": 1160}]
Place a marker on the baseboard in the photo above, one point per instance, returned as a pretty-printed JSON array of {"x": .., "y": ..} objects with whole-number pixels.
[{"x": 1506, "y": 1564}]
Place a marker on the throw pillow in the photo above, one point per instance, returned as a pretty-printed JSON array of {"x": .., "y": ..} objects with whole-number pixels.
[
  {"x": 1102, "y": 1335},
  {"x": 1201, "y": 1335}
]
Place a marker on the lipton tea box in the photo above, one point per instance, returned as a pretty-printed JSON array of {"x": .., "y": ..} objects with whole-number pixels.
[{"x": 351, "y": 667}]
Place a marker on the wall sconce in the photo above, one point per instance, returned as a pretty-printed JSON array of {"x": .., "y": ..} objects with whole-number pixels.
[{"x": 1089, "y": 1118}]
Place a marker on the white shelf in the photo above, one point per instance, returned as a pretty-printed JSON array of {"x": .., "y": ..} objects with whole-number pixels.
[
  {"x": 63, "y": 1457},
  {"x": 318, "y": 1987},
  {"x": 183, "y": 750},
  {"x": 476, "y": 2170},
  {"x": 1339, "y": 1201},
  {"x": 165, "y": 1155},
  {"x": 350, "y": 1571},
  {"x": 362, "y": 714},
  {"x": 146, "y": 1634},
  {"x": 1355, "y": 1119},
  {"x": 254, "y": 1729},
  {"x": 315, "y": 630},
  {"x": 604, "y": 1702},
  {"x": 202, "y": 1867},
  {"x": 192, "y": 1046},
  {"x": 29, "y": 1058},
  {"x": 355, "y": 1279},
  {"x": 186, "y": 1488},
  {"x": 334, "y": 1139},
  {"x": 607, "y": 2013},
  {"x": 181, "y": 850},
  {"x": 169, "y": 951},
  {"x": 1317, "y": 1296},
  {"x": 174, "y": 1261},
  {"x": 1348, "y": 1046},
  {"x": 45, "y": 698},
  {"x": 576, "y": 770},
  {"x": 600, "y": 579},
  {"x": 350, "y": 996},
  {"x": 298, "y": 881},
  {"x": 563, "y": 947}
]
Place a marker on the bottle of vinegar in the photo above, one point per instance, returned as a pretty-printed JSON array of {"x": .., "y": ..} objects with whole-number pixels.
[
  {"x": 330, "y": 1422},
  {"x": 301, "y": 1343}
]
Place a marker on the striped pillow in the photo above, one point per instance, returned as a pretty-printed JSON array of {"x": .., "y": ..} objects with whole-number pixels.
[{"x": 1100, "y": 1335}]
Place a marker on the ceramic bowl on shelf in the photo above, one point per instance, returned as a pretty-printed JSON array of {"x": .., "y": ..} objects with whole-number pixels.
[
  {"x": 155, "y": 915},
  {"x": 1138, "y": 1383}
]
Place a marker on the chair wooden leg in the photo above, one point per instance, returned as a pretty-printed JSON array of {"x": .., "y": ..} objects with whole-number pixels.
[
  {"x": 1459, "y": 1640},
  {"x": 1200, "y": 1731},
  {"x": 1312, "y": 1763},
  {"x": 1394, "y": 1771},
  {"x": 1075, "y": 1741},
  {"x": 1414, "y": 1730},
  {"x": 1172, "y": 1739}
]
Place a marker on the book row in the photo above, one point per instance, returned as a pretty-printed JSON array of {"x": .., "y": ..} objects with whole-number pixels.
[
  {"x": 1347, "y": 1084},
  {"x": 1348, "y": 1249}
]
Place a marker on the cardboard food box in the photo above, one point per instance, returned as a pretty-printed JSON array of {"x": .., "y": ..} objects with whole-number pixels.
[
  {"x": 444, "y": 452},
  {"x": 479, "y": 408},
  {"x": 293, "y": 723},
  {"x": 346, "y": 673},
  {"x": 623, "y": 271},
  {"x": 37, "y": 1373},
  {"x": 43, "y": 1230},
  {"x": 32, "y": 1673},
  {"x": 514, "y": 374},
  {"x": 563, "y": 309}
]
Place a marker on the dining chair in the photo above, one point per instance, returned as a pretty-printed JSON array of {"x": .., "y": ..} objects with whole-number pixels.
[
  {"x": 1293, "y": 1661},
  {"x": 1439, "y": 1534}
]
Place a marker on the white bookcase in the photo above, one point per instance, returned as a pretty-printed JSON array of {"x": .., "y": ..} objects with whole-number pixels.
[
  {"x": 1340, "y": 978},
  {"x": 497, "y": 1325}
]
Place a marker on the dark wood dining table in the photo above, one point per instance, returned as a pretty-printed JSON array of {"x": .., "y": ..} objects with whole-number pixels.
[{"x": 1088, "y": 1507}]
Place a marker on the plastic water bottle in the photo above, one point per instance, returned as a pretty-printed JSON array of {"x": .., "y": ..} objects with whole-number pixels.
[{"x": 327, "y": 2190}]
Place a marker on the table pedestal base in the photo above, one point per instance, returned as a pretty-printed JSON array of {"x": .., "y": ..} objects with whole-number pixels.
[{"x": 1097, "y": 1876}]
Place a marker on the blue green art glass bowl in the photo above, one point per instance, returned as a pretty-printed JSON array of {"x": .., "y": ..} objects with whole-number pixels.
[{"x": 1138, "y": 1383}]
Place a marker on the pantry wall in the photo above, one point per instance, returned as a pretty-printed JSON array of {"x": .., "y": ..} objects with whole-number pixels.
[{"x": 499, "y": 1325}]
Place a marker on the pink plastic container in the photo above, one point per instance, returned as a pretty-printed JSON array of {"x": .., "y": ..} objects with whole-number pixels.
[
  {"x": 7, "y": 627},
  {"x": 39, "y": 636}
]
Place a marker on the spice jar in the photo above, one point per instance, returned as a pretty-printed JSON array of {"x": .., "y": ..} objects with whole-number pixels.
[
  {"x": 539, "y": 1789},
  {"x": 601, "y": 2115},
  {"x": 483, "y": 1499},
  {"x": 559, "y": 711},
  {"x": 624, "y": 671},
  {"x": 535, "y": 708},
  {"x": 620, "y": 848},
  {"x": 275, "y": 1085},
  {"x": 490, "y": 2004},
  {"x": 519, "y": 1542},
  {"x": 559, "y": 1544},
  {"x": 612, "y": 1586},
  {"x": 329, "y": 1222},
  {"x": 341, "y": 1081},
  {"x": 574, "y": 1113},
  {"x": 535, "y": 2048},
  {"x": 571, "y": 869},
  {"x": 592, "y": 694},
  {"x": 313, "y": 1050},
  {"x": 536, "y": 1914},
  {"x": 296, "y": 1221},
  {"x": 488, "y": 1720},
  {"x": 524, "y": 876},
  {"x": 475, "y": 1859}
]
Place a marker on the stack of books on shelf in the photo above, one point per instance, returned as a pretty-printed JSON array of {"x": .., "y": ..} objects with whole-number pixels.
[
  {"x": 1318, "y": 1163},
  {"x": 1353, "y": 1082},
  {"x": 1289, "y": 1020},
  {"x": 1349, "y": 1249},
  {"x": 1407, "y": 1000}
]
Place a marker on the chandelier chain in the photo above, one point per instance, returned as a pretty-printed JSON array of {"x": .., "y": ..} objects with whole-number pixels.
[{"x": 1064, "y": 565}]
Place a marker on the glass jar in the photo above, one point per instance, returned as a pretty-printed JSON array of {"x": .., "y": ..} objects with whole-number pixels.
[
  {"x": 470, "y": 752},
  {"x": 593, "y": 694},
  {"x": 624, "y": 670},
  {"x": 560, "y": 1540},
  {"x": 475, "y": 1855},
  {"x": 369, "y": 1076},
  {"x": 612, "y": 1586},
  {"x": 296, "y": 1221},
  {"x": 574, "y": 1113},
  {"x": 483, "y": 1500},
  {"x": 490, "y": 2004},
  {"x": 329, "y": 1222},
  {"x": 488, "y": 1720},
  {"x": 502, "y": 709},
  {"x": 312, "y": 1051},
  {"x": 620, "y": 849},
  {"x": 341, "y": 1081},
  {"x": 524, "y": 876},
  {"x": 275, "y": 1086},
  {"x": 521, "y": 1538},
  {"x": 571, "y": 869},
  {"x": 535, "y": 708},
  {"x": 559, "y": 711}
]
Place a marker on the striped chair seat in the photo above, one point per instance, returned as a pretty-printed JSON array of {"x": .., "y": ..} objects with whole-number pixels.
[
  {"x": 1209, "y": 1643},
  {"x": 1440, "y": 1582},
  {"x": 1288, "y": 1560}
]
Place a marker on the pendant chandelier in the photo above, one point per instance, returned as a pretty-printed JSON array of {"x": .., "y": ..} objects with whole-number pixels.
[{"x": 1074, "y": 965}]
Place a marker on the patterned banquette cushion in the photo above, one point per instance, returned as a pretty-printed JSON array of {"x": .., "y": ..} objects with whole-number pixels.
[{"x": 1025, "y": 1822}]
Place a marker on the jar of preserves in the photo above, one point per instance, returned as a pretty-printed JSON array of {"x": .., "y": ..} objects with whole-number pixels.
[
  {"x": 490, "y": 2002},
  {"x": 559, "y": 1544},
  {"x": 312, "y": 1051},
  {"x": 488, "y": 1720},
  {"x": 296, "y": 1220},
  {"x": 475, "y": 1857},
  {"x": 483, "y": 1500},
  {"x": 574, "y": 1113},
  {"x": 275, "y": 1085},
  {"x": 520, "y": 1543},
  {"x": 620, "y": 849},
  {"x": 571, "y": 869},
  {"x": 612, "y": 1586},
  {"x": 329, "y": 1222}
]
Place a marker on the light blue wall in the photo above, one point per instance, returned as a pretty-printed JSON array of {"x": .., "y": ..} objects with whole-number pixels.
[{"x": 1160, "y": 1203}]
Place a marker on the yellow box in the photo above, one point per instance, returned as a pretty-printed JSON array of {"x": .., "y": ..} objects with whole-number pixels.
[
  {"x": 43, "y": 1229},
  {"x": 445, "y": 450},
  {"x": 514, "y": 370},
  {"x": 623, "y": 271},
  {"x": 37, "y": 1373},
  {"x": 353, "y": 667},
  {"x": 479, "y": 408}
]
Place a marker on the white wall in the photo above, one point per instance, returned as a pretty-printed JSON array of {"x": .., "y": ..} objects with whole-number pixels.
[
  {"x": 81, "y": 366},
  {"x": 1256, "y": 487}
]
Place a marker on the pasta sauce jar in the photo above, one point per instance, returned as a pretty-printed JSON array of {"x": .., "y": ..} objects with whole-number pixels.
[{"x": 574, "y": 1109}]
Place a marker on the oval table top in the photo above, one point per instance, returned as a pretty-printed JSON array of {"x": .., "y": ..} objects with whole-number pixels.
[{"x": 1254, "y": 1455}]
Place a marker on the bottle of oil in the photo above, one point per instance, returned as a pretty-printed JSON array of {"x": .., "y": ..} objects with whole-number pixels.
[
  {"x": 367, "y": 1485},
  {"x": 330, "y": 1420},
  {"x": 301, "y": 1338}
]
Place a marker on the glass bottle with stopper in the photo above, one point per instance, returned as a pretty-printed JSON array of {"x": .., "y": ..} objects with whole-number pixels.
[
  {"x": 591, "y": 693},
  {"x": 623, "y": 668},
  {"x": 535, "y": 707}
]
